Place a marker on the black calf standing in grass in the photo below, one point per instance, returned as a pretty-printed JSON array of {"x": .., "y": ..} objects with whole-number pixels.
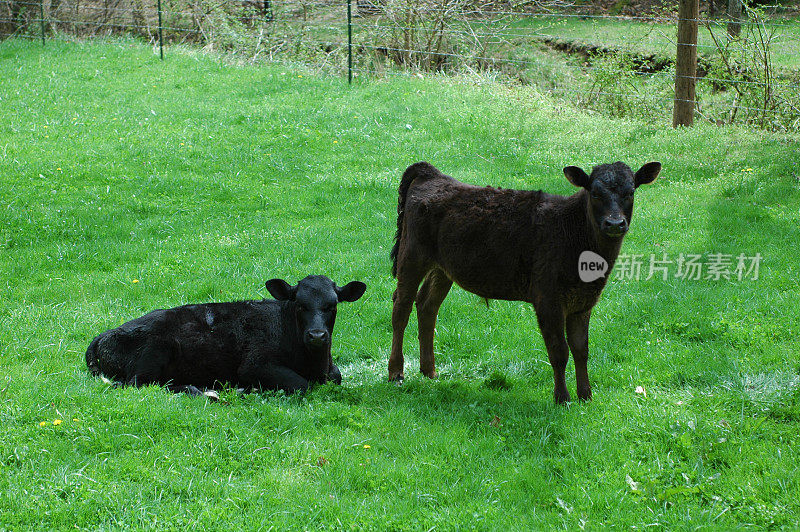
[
  {"x": 516, "y": 245},
  {"x": 281, "y": 344}
]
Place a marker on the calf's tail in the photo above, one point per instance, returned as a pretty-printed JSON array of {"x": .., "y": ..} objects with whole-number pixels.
[{"x": 416, "y": 170}]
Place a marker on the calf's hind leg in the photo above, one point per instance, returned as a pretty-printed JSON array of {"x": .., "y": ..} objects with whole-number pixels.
[
  {"x": 408, "y": 279},
  {"x": 429, "y": 298}
]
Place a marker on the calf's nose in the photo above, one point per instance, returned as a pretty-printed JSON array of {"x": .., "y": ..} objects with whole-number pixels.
[
  {"x": 317, "y": 337},
  {"x": 616, "y": 225}
]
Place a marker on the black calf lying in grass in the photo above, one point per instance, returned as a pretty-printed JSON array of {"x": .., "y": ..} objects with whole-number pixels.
[
  {"x": 267, "y": 344},
  {"x": 516, "y": 245}
]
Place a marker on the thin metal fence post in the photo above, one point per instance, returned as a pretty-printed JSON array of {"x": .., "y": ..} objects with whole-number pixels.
[
  {"x": 41, "y": 19},
  {"x": 349, "y": 42},
  {"x": 160, "y": 32}
]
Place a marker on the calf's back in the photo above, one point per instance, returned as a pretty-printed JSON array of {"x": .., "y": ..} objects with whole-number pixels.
[
  {"x": 200, "y": 344},
  {"x": 497, "y": 243}
]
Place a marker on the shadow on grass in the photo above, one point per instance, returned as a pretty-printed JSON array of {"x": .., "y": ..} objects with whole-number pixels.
[{"x": 471, "y": 403}]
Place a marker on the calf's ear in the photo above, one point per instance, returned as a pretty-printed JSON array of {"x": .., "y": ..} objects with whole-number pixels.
[
  {"x": 352, "y": 291},
  {"x": 646, "y": 174},
  {"x": 577, "y": 176},
  {"x": 281, "y": 290}
]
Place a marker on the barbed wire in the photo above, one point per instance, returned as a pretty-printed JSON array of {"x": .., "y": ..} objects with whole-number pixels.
[
  {"x": 152, "y": 12},
  {"x": 192, "y": 14},
  {"x": 485, "y": 30},
  {"x": 535, "y": 34},
  {"x": 487, "y": 14},
  {"x": 412, "y": 52}
]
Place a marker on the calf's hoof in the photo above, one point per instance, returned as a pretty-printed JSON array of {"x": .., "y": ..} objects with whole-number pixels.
[
  {"x": 396, "y": 377},
  {"x": 584, "y": 393},
  {"x": 430, "y": 373},
  {"x": 561, "y": 396},
  {"x": 193, "y": 391}
]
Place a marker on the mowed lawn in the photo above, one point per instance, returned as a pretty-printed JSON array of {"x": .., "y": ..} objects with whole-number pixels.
[{"x": 128, "y": 184}]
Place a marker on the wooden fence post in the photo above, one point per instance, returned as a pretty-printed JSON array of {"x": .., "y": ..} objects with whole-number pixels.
[
  {"x": 735, "y": 17},
  {"x": 41, "y": 19},
  {"x": 686, "y": 63}
]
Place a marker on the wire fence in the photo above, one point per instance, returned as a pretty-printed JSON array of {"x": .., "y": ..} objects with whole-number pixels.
[{"x": 617, "y": 64}]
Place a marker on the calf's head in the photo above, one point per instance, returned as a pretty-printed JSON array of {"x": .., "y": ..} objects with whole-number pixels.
[
  {"x": 315, "y": 299},
  {"x": 610, "y": 190}
]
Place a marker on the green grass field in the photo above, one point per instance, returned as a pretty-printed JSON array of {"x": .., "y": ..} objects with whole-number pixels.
[
  {"x": 646, "y": 38},
  {"x": 129, "y": 184},
  {"x": 601, "y": 70}
]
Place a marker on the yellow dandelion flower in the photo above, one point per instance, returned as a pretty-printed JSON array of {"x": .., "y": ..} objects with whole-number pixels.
[
  {"x": 135, "y": 281},
  {"x": 367, "y": 446},
  {"x": 59, "y": 169},
  {"x": 74, "y": 419},
  {"x": 42, "y": 423},
  {"x": 57, "y": 422}
]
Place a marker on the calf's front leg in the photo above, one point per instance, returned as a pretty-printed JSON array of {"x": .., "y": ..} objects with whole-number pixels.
[
  {"x": 551, "y": 324},
  {"x": 578, "y": 339},
  {"x": 334, "y": 374},
  {"x": 272, "y": 377}
]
